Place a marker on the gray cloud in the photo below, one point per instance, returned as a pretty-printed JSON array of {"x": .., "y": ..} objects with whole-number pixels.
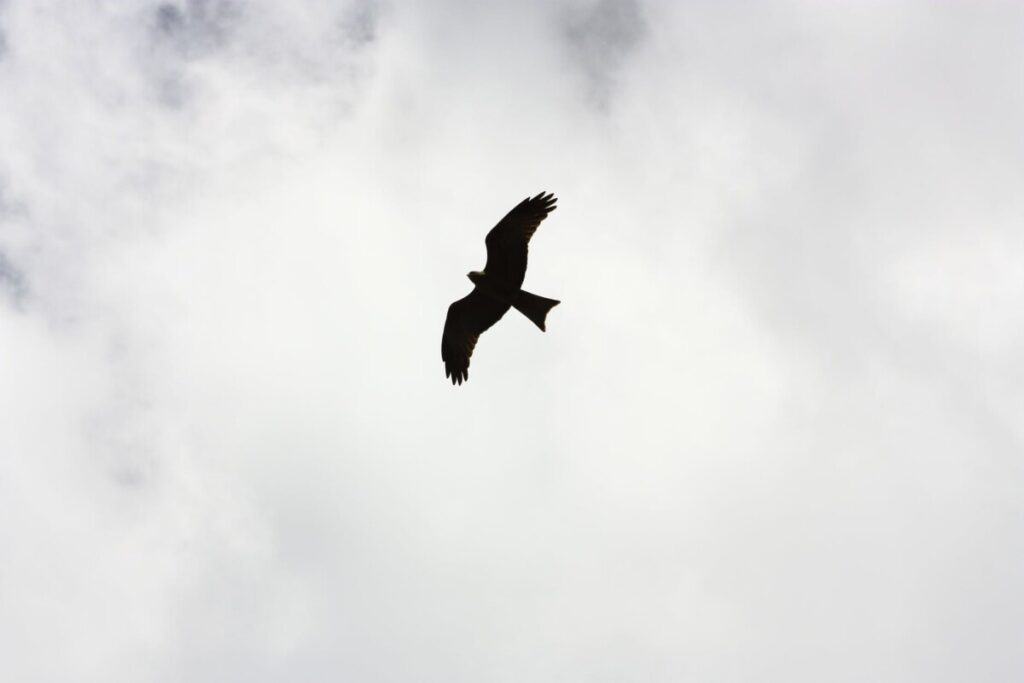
[
  {"x": 601, "y": 36},
  {"x": 773, "y": 430},
  {"x": 12, "y": 280},
  {"x": 198, "y": 27}
]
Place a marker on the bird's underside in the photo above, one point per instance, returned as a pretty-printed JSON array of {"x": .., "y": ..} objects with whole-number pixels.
[{"x": 498, "y": 287}]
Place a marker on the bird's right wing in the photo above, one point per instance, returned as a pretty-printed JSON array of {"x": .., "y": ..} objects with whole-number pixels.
[{"x": 467, "y": 319}]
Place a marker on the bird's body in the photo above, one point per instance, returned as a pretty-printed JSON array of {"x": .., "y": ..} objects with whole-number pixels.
[
  {"x": 497, "y": 288},
  {"x": 492, "y": 288}
]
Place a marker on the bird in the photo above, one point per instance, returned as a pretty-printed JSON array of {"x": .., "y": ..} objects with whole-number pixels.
[{"x": 497, "y": 287}]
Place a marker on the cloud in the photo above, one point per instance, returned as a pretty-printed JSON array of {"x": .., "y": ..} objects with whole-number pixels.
[
  {"x": 772, "y": 431},
  {"x": 601, "y": 35}
]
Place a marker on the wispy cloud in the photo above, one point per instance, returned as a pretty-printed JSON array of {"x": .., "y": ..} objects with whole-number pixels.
[{"x": 773, "y": 430}]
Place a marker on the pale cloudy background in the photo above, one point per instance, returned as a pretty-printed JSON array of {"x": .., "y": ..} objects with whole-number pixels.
[{"x": 774, "y": 432}]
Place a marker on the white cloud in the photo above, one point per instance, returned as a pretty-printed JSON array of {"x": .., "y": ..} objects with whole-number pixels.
[{"x": 772, "y": 433}]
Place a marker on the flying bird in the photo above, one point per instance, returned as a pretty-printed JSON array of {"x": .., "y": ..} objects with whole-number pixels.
[{"x": 498, "y": 286}]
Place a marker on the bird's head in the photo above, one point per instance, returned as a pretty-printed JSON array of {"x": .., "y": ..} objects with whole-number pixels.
[{"x": 475, "y": 276}]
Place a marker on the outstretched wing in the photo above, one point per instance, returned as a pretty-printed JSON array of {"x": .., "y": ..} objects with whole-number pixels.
[
  {"x": 507, "y": 241},
  {"x": 467, "y": 319}
]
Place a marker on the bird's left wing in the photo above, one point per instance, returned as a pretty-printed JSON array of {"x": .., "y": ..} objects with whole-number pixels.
[
  {"x": 467, "y": 319},
  {"x": 507, "y": 242}
]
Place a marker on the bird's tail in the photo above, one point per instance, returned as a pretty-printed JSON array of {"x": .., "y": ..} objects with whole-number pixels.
[{"x": 534, "y": 307}]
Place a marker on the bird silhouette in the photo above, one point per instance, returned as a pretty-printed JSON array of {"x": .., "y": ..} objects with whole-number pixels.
[{"x": 497, "y": 287}]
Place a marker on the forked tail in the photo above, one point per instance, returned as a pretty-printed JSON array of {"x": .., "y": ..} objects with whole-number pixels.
[{"x": 534, "y": 307}]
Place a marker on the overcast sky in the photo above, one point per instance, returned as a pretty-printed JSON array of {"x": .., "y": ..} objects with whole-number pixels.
[{"x": 774, "y": 431}]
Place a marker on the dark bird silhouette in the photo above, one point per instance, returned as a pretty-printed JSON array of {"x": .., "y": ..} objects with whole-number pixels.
[{"x": 498, "y": 286}]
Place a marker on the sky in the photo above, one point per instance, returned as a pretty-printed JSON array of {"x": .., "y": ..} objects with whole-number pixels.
[{"x": 774, "y": 431}]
